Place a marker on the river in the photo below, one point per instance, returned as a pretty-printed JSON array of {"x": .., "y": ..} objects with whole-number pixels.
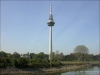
[{"x": 93, "y": 70}]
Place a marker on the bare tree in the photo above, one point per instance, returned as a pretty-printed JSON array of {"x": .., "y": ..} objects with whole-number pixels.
[
  {"x": 57, "y": 57},
  {"x": 61, "y": 56},
  {"x": 80, "y": 52},
  {"x": 53, "y": 55}
]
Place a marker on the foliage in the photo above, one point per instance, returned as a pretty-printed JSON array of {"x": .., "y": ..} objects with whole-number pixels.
[
  {"x": 40, "y": 60},
  {"x": 3, "y": 54},
  {"x": 15, "y": 55},
  {"x": 57, "y": 56},
  {"x": 14, "y": 63},
  {"x": 22, "y": 62}
]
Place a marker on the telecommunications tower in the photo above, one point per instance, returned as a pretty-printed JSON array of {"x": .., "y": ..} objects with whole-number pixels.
[{"x": 50, "y": 24}]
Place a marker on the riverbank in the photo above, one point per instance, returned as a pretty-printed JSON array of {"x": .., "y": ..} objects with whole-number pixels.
[
  {"x": 95, "y": 63},
  {"x": 13, "y": 70}
]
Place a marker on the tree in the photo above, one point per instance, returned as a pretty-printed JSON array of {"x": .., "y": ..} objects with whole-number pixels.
[
  {"x": 14, "y": 62},
  {"x": 67, "y": 57},
  {"x": 53, "y": 55},
  {"x": 80, "y": 52},
  {"x": 57, "y": 56},
  {"x": 72, "y": 56},
  {"x": 9, "y": 55},
  {"x": 90, "y": 57},
  {"x": 16, "y": 55},
  {"x": 61, "y": 56},
  {"x": 32, "y": 55},
  {"x": 22, "y": 62},
  {"x": 28, "y": 55},
  {"x": 3, "y": 54},
  {"x": 41, "y": 55}
]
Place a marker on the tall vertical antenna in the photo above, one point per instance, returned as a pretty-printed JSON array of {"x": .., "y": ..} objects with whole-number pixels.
[{"x": 51, "y": 9}]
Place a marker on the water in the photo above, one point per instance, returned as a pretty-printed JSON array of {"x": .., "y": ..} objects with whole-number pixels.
[{"x": 94, "y": 70}]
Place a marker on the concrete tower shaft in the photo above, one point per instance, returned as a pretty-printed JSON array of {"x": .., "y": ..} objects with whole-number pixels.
[{"x": 50, "y": 43}]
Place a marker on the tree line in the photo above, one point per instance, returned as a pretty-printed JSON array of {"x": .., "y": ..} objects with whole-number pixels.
[
  {"x": 80, "y": 53},
  {"x": 28, "y": 60}
]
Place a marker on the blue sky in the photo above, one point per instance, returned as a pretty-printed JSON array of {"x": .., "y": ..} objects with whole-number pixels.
[{"x": 24, "y": 26}]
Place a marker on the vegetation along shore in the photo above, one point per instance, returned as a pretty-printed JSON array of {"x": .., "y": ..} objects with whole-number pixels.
[
  {"x": 62, "y": 68},
  {"x": 39, "y": 63}
]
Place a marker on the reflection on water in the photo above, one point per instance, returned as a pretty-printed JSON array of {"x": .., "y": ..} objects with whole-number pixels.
[{"x": 94, "y": 70}]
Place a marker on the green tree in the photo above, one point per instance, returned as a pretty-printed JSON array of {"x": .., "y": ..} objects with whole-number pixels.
[
  {"x": 14, "y": 63},
  {"x": 3, "y": 62},
  {"x": 16, "y": 55},
  {"x": 3, "y": 54},
  {"x": 9, "y": 55},
  {"x": 23, "y": 62},
  {"x": 41, "y": 55},
  {"x": 32, "y": 55},
  {"x": 67, "y": 57},
  {"x": 90, "y": 57},
  {"x": 8, "y": 61}
]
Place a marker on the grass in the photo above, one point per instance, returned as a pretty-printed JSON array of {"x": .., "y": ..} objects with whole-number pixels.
[
  {"x": 77, "y": 62},
  {"x": 82, "y": 61}
]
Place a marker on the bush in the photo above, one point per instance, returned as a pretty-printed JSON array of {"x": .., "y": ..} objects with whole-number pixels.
[
  {"x": 22, "y": 62},
  {"x": 14, "y": 63}
]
